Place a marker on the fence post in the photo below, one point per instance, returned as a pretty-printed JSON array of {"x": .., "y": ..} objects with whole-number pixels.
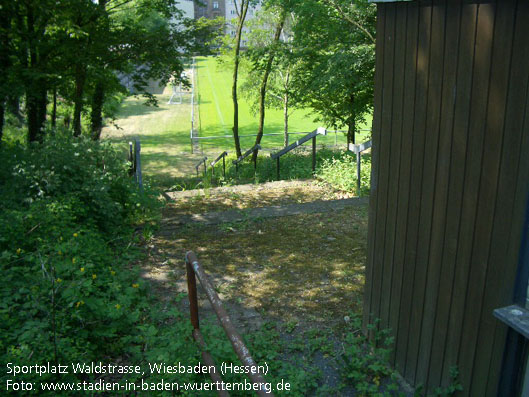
[
  {"x": 131, "y": 159},
  {"x": 314, "y": 154},
  {"x": 192, "y": 295},
  {"x": 358, "y": 159},
  {"x": 137, "y": 158},
  {"x": 277, "y": 168},
  {"x": 205, "y": 169},
  {"x": 224, "y": 166}
]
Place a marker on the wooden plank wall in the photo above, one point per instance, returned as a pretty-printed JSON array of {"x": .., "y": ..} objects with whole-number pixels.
[{"x": 449, "y": 184}]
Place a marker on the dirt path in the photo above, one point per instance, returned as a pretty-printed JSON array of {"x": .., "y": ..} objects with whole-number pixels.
[{"x": 297, "y": 264}]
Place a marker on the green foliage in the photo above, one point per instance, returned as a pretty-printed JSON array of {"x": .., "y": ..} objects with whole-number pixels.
[
  {"x": 70, "y": 292},
  {"x": 366, "y": 362},
  {"x": 341, "y": 173}
]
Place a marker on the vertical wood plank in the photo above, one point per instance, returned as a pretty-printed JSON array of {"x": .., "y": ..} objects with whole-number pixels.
[
  {"x": 459, "y": 223},
  {"x": 479, "y": 95},
  {"x": 422, "y": 315},
  {"x": 460, "y": 120},
  {"x": 512, "y": 192},
  {"x": 419, "y": 131},
  {"x": 500, "y": 201},
  {"x": 450, "y": 45},
  {"x": 394, "y": 163},
  {"x": 385, "y": 150},
  {"x": 490, "y": 138},
  {"x": 428, "y": 152},
  {"x": 406, "y": 225},
  {"x": 408, "y": 105},
  {"x": 373, "y": 195}
]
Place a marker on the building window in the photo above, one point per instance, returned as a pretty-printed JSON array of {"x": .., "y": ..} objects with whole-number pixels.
[
  {"x": 232, "y": 12},
  {"x": 215, "y": 4}
]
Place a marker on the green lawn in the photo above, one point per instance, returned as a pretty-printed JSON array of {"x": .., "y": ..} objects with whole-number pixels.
[
  {"x": 164, "y": 130},
  {"x": 216, "y": 112}
]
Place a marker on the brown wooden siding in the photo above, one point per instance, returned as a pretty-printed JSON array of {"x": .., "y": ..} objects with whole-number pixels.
[{"x": 450, "y": 182}]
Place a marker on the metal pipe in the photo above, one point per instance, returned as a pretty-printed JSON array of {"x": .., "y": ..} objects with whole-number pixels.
[
  {"x": 208, "y": 360},
  {"x": 236, "y": 341}
]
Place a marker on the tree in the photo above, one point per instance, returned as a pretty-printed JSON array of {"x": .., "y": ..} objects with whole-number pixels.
[
  {"x": 241, "y": 8},
  {"x": 75, "y": 49},
  {"x": 278, "y": 52},
  {"x": 335, "y": 47},
  {"x": 263, "y": 59}
]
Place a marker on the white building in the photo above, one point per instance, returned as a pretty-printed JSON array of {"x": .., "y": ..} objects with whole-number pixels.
[{"x": 231, "y": 15}]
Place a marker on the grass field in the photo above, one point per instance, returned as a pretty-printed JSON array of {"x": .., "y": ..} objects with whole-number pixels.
[
  {"x": 164, "y": 130},
  {"x": 216, "y": 112}
]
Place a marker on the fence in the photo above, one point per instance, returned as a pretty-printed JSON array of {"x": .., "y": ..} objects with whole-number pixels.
[
  {"x": 194, "y": 269},
  {"x": 194, "y": 110},
  {"x": 135, "y": 162},
  {"x": 312, "y": 135},
  {"x": 202, "y": 161},
  {"x": 358, "y": 149},
  {"x": 212, "y": 164},
  {"x": 246, "y": 154}
]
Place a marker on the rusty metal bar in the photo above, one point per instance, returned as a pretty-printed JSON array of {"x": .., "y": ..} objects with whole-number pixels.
[
  {"x": 236, "y": 341},
  {"x": 208, "y": 360}
]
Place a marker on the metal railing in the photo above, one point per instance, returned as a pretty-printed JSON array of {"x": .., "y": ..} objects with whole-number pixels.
[
  {"x": 194, "y": 270},
  {"x": 299, "y": 142},
  {"x": 246, "y": 154},
  {"x": 358, "y": 149},
  {"x": 203, "y": 161},
  {"x": 212, "y": 164},
  {"x": 135, "y": 162}
]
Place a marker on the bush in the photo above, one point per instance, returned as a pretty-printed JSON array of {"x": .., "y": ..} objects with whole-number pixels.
[
  {"x": 70, "y": 291},
  {"x": 340, "y": 172}
]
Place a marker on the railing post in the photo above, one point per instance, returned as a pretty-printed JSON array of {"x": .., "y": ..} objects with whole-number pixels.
[
  {"x": 137, "y": 162},
  {"x": 358, "y": 159},
  {"x": 314, "y": 154},
  {"x": 131, "y": 159},
  {"x": 192, "y": 294}
]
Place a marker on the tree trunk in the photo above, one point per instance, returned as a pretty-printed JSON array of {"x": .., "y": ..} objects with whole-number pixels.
[
  {"x": 80, "y": 76},
  {"x": 34, "y": 89},
  {"x": 285, "y": 116},
  {"x": 351, "y": 125},
  {"x": 2, "y": 113},
  {"x": 54, "y": 110},
  {"x": 97, "y": 110},
  {"x": 264, "y": 82},
  {"x": 240, "y": 23}
]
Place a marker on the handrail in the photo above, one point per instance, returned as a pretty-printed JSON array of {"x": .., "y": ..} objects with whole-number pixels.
[
  {"x": 212, "y": 164},
  {"x": 299, "y": 142},
  {"x": 135, "y": 162},
  {"x": 194, "y": 269},
  {"x": 358, "y": 149},
  {"x": 246, "y": 154},
  {"x": 203, "y": 161}
]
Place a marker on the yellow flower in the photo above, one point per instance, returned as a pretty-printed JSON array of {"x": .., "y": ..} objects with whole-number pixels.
[
  {"x": 19, "y": 251},
  {"x": 74, "y": 260},
  {"x": 80, "y": 303},
  {"x": 75, "y": 234},
  {"x": 58, "y": 280},
  {"x": 113, "y": 272},
  {"x": 118, "y": 306},
  {"x": 94, "y": 276},
  {"x": 82, "y": 269},
  {"x": 135, "y": 285}
]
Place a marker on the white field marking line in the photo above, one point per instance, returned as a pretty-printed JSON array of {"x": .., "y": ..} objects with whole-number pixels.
[{"x": 216, "y": 101}]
